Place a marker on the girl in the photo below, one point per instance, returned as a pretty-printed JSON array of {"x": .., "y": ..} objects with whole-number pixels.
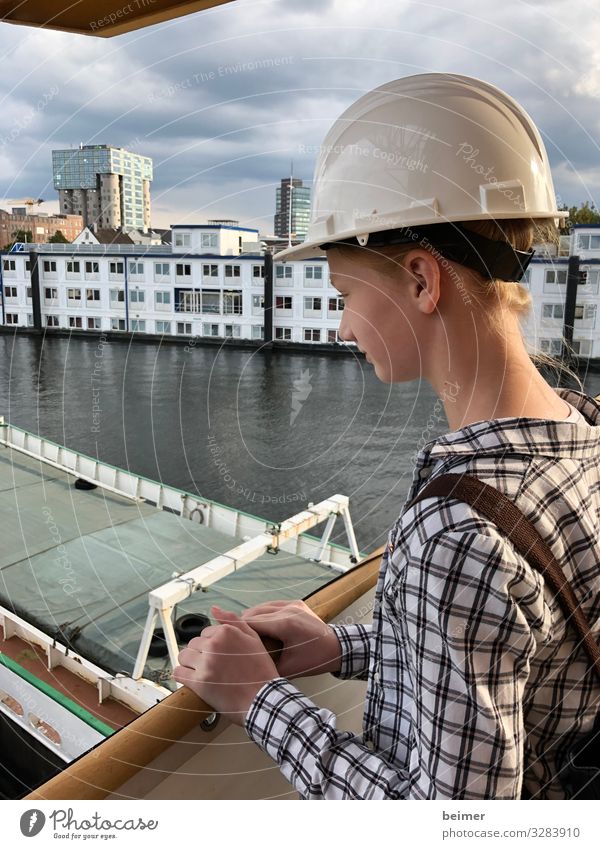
[{"x": 429, "y": 193}]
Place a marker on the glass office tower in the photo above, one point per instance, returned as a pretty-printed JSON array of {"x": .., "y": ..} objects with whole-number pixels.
[
  {"x": 107, "y": 186},
  {"x": 292, "y": 193}
]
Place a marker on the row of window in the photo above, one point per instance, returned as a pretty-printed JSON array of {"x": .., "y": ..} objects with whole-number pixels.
[
  {"x": 581, "y": 347},
  {"x": 314, "y": 304},
  {"x": 209, "y": 301},
  {"x": 117, "y": 268},
  {"x": 11, "y": 293},
  {"x": 207, "y": 240},
  {"x": 588, "y": 241},
  {"x": 9, "y": 265},
  {"x": 196, "y": 301},
  {"x": 582, "y": 311},
  {"x": 282, "y": 272},
  {"x": 142, "y": 326},
  {"x": 162, "y": 270},
  {"x": 558, "y": 276},
  {"x": 309, "y": 334},
  {"x": 75, "y": 296},
  {"x": 313, "y": 273}
]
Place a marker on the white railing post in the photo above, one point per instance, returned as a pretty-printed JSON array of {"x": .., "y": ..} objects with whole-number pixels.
[
  {"x": 142, "y": 655},
  {"x": 350, "y": 534}
]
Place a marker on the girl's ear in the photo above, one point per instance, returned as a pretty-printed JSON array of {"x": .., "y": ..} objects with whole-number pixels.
[
  {"x": 414, "y": 265},
  {"x": 425, "y": 272}
]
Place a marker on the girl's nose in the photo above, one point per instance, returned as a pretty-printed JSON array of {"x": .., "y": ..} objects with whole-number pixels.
[{"x": 344, "y": 332}]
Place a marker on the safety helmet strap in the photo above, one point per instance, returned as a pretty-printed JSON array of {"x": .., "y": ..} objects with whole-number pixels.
[{"x": 494, "y": 260}]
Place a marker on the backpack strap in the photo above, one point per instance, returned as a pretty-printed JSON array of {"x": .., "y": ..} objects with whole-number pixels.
[{"x": 500, "y": 510}]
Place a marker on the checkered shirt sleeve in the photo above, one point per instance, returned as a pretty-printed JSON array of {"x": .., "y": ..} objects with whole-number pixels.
[
  {"x": 355, "y": 643},
  {"x": 463, "y": 637}
]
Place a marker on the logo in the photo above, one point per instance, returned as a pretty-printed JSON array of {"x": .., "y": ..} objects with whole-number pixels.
[{"x": 32, "y": 822}]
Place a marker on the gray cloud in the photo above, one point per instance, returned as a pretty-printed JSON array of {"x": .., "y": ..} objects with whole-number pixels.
[{"x": 224, "y": 100}]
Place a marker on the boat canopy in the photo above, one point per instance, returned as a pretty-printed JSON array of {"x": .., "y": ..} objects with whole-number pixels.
[
  {"x": 99, "y": 17},
  {"x": 79, "y": 564}
]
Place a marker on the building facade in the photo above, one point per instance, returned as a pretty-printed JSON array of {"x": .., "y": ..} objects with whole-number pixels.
[
  {"x": 210, "y": 283},
  {"x": 107, "y": 186},
  {"x": 546, "y": 278},
  {"x": 41, "y": 227},
  {"x": 292, "y": 210}
]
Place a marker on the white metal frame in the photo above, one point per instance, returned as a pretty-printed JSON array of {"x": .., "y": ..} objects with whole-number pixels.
[{"x": 162, "y": 600}]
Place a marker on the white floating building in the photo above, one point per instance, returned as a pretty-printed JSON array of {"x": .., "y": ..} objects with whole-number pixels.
[
  {"x": 210, "y": 283},
  {"x": 547, "y": 279}
]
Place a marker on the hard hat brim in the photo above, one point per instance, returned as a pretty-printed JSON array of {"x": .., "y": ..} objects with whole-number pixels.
[
  {"x": 306, "y": 250},
  {"x": 311, "y": 249}
]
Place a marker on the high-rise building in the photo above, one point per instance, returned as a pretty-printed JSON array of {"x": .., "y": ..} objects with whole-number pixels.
[
  {"x": 292, "y": 197},
  {"x": 107, "y": 186}
]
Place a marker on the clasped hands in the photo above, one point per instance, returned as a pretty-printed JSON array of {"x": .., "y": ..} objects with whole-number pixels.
[{"x": 228, "y": 664}]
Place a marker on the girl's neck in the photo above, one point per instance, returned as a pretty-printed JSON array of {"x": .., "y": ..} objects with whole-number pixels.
[
  {"x": 534, "y": 407},
  {"x": 505, "y": 385}
]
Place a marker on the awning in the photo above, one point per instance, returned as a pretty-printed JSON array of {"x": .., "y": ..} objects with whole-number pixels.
[{"x": 99, "y": 17}]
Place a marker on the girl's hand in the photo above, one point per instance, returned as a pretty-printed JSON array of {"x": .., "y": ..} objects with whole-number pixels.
[
  {"x": 226, "y": 666},
  {"x": 310, "y": 646}
]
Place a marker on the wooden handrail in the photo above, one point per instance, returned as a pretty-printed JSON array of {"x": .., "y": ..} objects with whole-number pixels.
[{"x": 108, "y": 765}]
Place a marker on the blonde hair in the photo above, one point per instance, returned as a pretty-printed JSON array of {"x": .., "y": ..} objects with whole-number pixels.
[{"x": 495, "y": 297}]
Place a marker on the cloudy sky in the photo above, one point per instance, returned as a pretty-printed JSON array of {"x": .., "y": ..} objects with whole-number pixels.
[{"x": 223, "y": 100}]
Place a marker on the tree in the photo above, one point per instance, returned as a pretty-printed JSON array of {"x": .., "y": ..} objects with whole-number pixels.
[
  {"x": 584, "y": 214},
  {"x": 20, "y": 236},
  {"x": 58, "y": 238}
]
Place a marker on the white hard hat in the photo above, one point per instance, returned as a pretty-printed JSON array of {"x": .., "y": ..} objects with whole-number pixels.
[{"x": 427, "y": 150}]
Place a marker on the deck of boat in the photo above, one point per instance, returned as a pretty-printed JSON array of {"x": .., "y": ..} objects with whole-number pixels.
[{"x": 79, "y": 564}]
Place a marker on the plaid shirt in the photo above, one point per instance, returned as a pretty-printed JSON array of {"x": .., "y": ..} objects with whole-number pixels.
[{"x": 475, "y": 682}]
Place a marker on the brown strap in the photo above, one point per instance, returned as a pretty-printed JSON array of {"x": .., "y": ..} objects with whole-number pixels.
[{"x": 528, "y": 542}]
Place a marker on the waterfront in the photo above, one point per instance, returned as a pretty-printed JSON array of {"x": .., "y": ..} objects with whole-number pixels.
[{"x": 262, "y": 431}]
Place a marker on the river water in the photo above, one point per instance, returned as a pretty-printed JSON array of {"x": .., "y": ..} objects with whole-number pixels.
[{"x": 262, "y": 431}]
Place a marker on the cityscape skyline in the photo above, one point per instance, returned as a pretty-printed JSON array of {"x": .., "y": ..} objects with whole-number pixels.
[{"x": 222, "y": 119}]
